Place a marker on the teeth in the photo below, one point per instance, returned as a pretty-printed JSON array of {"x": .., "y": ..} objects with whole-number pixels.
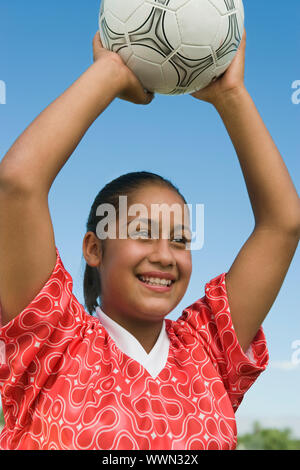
[{"x": 156, "y": 281}]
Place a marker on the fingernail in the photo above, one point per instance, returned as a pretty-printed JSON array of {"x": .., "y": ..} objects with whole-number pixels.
[{"x": 148, "y": 92}]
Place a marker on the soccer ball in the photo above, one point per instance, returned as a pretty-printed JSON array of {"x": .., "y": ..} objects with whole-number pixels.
[{"x": 174, "y": 47}]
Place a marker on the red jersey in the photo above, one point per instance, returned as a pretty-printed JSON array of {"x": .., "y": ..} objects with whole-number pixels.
[{"x": 66, "y": 385}]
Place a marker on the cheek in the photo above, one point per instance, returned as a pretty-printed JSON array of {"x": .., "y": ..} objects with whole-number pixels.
[
  {"x": 119, "y": 261},
  {"x": 185, "y": 264}
]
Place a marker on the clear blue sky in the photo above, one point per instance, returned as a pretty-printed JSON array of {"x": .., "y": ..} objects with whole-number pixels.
[{"x": 45, "y": 46}]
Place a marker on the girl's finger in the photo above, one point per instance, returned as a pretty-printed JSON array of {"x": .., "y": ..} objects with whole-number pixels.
[
  {"x": 243, "y": 41},
  {"x": 139, "y": 94},
  {"x": 97, "y": 40},
  {"x": 145, "y": 97},
  {"x": 148, "y": 96}
]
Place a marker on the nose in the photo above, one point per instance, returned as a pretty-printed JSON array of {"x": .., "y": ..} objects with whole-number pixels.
[{"x": 161, "y": 253}]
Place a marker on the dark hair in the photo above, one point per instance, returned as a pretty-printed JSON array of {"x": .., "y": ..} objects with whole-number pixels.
[{"x": 124, "y": 185}]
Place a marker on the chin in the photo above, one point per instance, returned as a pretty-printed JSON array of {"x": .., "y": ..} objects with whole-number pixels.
[{"x": 156, "y": 313}]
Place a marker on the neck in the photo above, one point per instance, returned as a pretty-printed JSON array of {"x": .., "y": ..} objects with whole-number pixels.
[{"x": 145, "y": 333}]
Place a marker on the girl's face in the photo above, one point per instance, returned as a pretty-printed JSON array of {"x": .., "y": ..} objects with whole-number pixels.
[{"x": 123, "y": 293}]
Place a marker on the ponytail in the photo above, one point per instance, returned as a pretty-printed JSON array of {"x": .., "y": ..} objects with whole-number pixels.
[{"x": 91, "y": 288}]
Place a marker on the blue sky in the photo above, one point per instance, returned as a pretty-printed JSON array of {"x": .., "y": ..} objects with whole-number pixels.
[{"x": 46, "y": 46}]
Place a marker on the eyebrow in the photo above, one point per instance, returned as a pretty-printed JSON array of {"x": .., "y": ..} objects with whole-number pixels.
[{"x": 141, "y": 219}]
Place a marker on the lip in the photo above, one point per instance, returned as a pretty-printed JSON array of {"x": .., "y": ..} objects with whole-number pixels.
[
  {"x": 156, "y": 288},
  {"x": 159, "y": 274}
]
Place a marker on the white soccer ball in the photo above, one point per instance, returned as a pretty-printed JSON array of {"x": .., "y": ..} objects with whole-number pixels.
[{"x": 174, "y": 47}]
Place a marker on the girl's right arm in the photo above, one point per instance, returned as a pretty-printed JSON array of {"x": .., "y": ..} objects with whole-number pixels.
[{"x": 27, "y": 244}]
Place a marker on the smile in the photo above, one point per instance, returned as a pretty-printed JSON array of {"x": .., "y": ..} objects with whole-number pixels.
[{"x": 157, "y": 284}]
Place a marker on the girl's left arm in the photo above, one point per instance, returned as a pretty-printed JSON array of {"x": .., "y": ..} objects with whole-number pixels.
[{"x": 258, "y": 272}]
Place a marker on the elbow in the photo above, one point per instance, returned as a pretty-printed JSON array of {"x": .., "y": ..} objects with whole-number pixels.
[
  {"x": 288, "y": 225},
  {"x": 293, "y": 228},
  {"x": 13, "y": 181},
  {"x": 297, "y": 231}
]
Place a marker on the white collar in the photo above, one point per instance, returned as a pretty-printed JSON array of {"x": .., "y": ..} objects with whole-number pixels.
[{"x": 153, "y": 362}]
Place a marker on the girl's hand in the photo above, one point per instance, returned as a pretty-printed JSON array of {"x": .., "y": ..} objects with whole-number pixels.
[
  {"x": 231, "y": 81},
  {"x": 132, "y": 89}
]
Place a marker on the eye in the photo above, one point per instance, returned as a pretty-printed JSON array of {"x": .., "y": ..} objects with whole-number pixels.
[
  {"x": 140, "y": 234},
  {"x": 181, "y": 240}
]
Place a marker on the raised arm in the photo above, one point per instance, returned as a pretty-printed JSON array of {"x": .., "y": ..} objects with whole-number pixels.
[
  {"x": 257, "y": 274},
  {"x": 27, "y": 244}
]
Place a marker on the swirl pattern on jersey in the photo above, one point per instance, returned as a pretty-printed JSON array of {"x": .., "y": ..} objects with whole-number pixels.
[{"x": 65, "y": 385}]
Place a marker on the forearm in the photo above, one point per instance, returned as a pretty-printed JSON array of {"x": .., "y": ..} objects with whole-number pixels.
[
  {"x": 43, "y": 148},
  {"x": 272, "y": 194}
]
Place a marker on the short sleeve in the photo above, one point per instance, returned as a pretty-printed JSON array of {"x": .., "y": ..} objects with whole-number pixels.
[
  {"x": 34, "y": 342},
  {"x": 210, "y": 320}
]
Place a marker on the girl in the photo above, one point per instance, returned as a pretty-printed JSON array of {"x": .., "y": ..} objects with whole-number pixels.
[{"x": 129, "y": 378}]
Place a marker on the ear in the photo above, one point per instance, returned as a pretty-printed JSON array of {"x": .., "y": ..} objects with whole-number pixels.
[{"x": 92, "y": 249}]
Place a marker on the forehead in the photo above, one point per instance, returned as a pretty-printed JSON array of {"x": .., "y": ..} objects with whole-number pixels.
[
  {"x": 155, "y": 194},
  {"x": 158, "y": 203}
]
